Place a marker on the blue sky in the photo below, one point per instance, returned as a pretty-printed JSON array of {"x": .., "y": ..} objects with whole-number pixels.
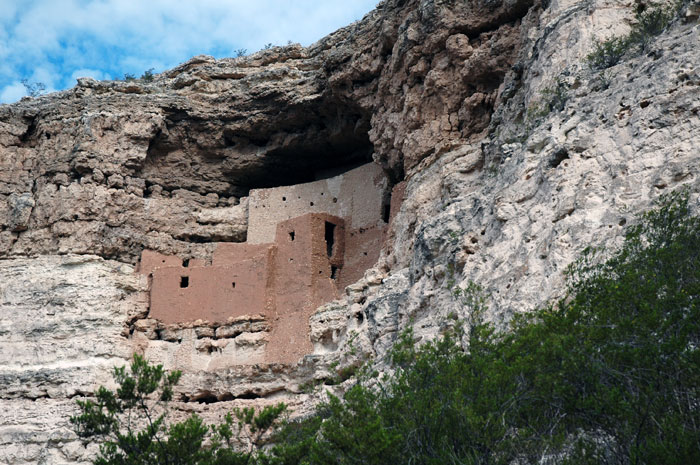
[{"x": 56, "y": 41}]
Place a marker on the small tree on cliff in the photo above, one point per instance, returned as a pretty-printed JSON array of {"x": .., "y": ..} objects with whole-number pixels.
[{"x": 131, "y": 424}]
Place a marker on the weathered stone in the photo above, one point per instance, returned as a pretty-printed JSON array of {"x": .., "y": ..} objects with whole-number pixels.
[
  {"x": 437, "y": 92},
  {"x": 20, "y": 206}
]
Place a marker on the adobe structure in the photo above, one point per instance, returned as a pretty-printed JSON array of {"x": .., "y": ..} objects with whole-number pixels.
[{"x": 305, "y": 244}]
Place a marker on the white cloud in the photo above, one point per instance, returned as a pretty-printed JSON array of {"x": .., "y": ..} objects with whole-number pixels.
[
  {"x": 12, "y": 93},
  {"x": 51, "y": 40}
]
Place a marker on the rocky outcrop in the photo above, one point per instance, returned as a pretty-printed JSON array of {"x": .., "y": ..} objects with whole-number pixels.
[
  {"x": 446, "y": 95},
  {"x": 113, "y": 167}
]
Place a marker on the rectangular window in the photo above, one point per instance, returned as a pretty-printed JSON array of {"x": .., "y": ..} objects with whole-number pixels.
[{"x": 330, "y": 238}]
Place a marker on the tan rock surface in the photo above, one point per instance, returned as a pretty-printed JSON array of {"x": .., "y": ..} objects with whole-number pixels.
[{"x": 437, "y": 91}]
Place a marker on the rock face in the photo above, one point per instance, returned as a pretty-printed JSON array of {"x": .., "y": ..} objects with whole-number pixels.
[{"x": 443, "y": 94}]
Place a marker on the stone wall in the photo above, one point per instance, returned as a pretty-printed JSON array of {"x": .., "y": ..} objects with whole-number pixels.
[
  {"x": 311, "y": 258},
  {"x": 359, "y": 195},
  {"x": 443, "y": 90}
]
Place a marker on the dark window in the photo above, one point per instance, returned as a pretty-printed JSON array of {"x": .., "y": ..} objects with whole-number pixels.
[
  {"x": 330, "y": 238},
  {"x": 334, "y": 272},
  {"x": 291, "y": 236},
  {"x": 186, "y": 262},
  {"x": 233, "y": 285},
  {"x": 386, "y": 213},
  {"x": 184, "y": 281}
]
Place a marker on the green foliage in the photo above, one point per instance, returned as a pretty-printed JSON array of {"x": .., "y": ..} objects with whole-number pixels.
[
  {"x": 551, "y": 98},
  {"x": 129, "y": 77},
  {"x": 147, "y": 75},
  {"x": 241, "y": 52},
  {"x": 648, "y": 24},
  {"x": 609, "y": 375},
  {"x": 131, "y": 424},
  {"x": 607, "y": 53}
]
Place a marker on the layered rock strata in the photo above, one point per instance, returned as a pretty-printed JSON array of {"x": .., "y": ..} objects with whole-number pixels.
[{"x": 437, "y": 92}]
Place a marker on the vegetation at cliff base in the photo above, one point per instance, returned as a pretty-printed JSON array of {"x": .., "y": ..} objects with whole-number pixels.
[
  {"x": 610, "y": 374},
  {"x": 131, "y": 424}
]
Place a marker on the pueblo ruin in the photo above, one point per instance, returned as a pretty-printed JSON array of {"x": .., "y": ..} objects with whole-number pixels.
[{"x": 305, "y": 243}]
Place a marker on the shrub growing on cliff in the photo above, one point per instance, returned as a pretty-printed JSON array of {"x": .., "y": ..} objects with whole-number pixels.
[
  {"x": 609, "y": 375},
  {"x": 648, "y": 24},
  {"x": 148, "y": 75},
  {"x": 551, "y": 98},
  {"x": 34, "y": 89},
  {"x": 131, "y": 424}
]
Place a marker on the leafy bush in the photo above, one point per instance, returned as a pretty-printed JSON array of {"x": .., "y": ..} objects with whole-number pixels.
[
  {"x": 552, "y": 98},
  {"x": 608, "y": 53},
  {"x": 609, "y": 375},
  {"x": 647, "y": 25},
  {"x": 147, "y": 75},
  {"x": 131, "y": 424}
]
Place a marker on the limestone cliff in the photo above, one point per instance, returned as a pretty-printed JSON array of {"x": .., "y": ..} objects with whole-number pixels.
[{"x": 435, "y": 91}]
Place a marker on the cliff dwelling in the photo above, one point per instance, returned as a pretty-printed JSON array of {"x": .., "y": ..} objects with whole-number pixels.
[{"x": 305, "y": 244}]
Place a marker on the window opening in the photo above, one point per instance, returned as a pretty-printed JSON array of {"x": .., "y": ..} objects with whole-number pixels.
[
  {"x": 233, "y": 285},
  {"x": 386, "y": 211},
  {"x": 334, "y": 272},
  {"x": 291, "y": 236},
  {"x": 186, "y": 262},
  {"x": 330, "y": 238},
  {"x": 184, "y": 281}
]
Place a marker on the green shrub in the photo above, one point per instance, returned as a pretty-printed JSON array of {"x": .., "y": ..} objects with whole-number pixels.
[
  {"x": 648, "y": 24},
  {"x": 609, "y": 375},
  {"x": 147, "y": 75},
  {"x": 131, "y": 426},
  {"x": 607, "y": 53},
  {"x": 552, "y": 98}
]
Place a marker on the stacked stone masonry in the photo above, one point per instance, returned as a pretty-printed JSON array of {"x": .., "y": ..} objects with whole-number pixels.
[{"x": 305, "y": 244}]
